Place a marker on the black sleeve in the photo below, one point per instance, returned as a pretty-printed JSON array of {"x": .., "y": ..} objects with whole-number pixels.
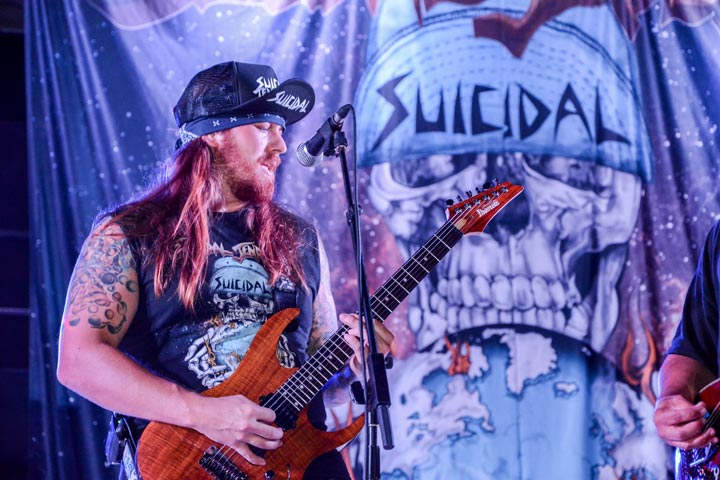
[{"x": 697, "y": 333}]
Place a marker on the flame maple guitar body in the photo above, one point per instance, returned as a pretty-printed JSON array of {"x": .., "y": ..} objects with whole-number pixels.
[
  {"x": 169, "y": 452},
  {"x": 702, "y": 463}
]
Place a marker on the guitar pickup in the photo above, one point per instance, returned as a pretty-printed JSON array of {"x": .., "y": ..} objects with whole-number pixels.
[{"x": 220, "y": 466}]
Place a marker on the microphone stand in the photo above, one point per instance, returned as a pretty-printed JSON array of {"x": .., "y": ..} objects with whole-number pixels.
[{"x": 377, "y": 393}]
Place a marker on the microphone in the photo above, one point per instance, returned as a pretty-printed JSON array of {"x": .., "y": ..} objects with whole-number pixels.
[{"x": 310, "y": 153}]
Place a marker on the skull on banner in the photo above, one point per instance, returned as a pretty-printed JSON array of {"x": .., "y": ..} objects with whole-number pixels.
[{"x": 552, "y": 259}]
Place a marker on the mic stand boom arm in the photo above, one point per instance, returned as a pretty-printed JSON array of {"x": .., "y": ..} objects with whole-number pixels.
[{"x": 377, "y": 391}]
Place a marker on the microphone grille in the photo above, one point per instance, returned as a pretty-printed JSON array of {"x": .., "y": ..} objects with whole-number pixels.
[{"x": 307, "y": 159}]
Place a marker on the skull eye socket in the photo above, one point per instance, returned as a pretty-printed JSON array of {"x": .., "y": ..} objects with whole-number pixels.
[
  {"x": 580, "y": 174},
  {"x": 424, "y": 171},
  {"x": 225, "y": 295}
]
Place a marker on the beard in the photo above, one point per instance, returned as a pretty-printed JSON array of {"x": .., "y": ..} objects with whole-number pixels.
[
  {"x": 256, "y": 190},
  {"x": 245, "y": 175}
]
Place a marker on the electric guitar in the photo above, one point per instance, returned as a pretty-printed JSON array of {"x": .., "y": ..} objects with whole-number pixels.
[
  {"x": 702, "y": 463},
  {"x": 171, "y": 452}
]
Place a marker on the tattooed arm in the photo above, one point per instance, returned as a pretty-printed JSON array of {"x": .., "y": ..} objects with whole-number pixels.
[
  {"x": 325, "y": 323},
  {"x": 324, "y": 314},
  {"x": 102, "y": 300}
]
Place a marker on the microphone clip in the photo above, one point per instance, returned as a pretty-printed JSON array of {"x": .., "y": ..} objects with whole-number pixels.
[{"x": 328, "y": 140}]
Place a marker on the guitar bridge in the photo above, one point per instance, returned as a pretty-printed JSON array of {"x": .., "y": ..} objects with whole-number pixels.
[{"x": 220, "y": 466}]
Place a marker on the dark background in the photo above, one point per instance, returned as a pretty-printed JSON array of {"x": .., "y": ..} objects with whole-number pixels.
[{"x": 14, "y": 302}]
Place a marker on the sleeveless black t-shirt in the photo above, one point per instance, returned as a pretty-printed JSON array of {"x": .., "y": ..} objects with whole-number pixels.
[{"x": 199, "y": 350}]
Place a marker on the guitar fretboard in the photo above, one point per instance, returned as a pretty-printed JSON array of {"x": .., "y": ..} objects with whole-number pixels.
[{"x": 304, "y": 384}]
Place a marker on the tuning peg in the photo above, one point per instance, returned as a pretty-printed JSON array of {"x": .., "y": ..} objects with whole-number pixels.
[
  {"x": 459, "y": 198},
  {"x": 469, "y": 193},
  {"x": 449, "y": 202},
  {"x": 492, "y": 183}
]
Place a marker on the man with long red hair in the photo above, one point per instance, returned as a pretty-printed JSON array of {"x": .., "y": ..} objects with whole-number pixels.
[{"x": 170, "y": 289}]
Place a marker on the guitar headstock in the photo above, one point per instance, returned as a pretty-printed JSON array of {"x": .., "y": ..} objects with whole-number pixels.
[{"x": 473, "y": 214}]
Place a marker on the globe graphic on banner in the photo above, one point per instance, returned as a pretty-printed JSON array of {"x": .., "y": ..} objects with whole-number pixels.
[{"x": 514, "y": 412}]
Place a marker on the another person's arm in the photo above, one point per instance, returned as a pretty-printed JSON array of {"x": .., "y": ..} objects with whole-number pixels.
[
  {"x": 101, "y": 303},
  {"x": 692, "y": 360}
]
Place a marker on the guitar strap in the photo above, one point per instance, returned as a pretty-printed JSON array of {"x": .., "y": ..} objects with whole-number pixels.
[
  {"x": 286, "y": 298},
  {"x": 121, "y": 445}
]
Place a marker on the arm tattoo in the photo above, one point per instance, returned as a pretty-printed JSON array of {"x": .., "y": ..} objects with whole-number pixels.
[
  {"x": 325, "y": 323},
  {"x": 337, "y": 390},
  {"x": 324, "y": 315},
  {"x": 102, "y": 275}
]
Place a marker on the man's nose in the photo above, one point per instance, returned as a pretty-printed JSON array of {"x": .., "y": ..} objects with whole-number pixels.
[{"x": 278, "y": 142}]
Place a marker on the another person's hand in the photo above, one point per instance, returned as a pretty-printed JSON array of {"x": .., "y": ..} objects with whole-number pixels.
[
  {"x": 680, "y": 422},
  {"x": 384, "y": 340}
]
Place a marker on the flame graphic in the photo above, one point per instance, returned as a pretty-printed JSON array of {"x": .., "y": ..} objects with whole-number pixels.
[
  {"x": 639, "y": 376},
  {"x": 459, "y": 361}
]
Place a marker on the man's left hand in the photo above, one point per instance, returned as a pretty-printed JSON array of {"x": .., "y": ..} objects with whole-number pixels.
[{"x": 352, "y": 337}]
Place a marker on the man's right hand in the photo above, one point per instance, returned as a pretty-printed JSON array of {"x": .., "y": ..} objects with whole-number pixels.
[
  {"x": 237, "y": 422},
  {"x": 680, "y": 422}
]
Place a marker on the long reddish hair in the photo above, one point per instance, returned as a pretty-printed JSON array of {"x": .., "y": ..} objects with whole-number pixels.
[{"x": 176, "y": 215}]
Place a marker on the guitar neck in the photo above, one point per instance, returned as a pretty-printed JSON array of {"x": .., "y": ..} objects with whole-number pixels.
[
  {"x": 417, "y": 267},
  {"x": 304, "y": 384}
]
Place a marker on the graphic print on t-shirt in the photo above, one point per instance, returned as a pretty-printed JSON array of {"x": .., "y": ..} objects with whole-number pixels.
[{"x": 241, "y": 299}]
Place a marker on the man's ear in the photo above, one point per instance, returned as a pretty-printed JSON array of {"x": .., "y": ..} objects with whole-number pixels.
[{"x": 211, "y": 140}]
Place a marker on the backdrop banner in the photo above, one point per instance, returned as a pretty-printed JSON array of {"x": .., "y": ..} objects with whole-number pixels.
[{"x": 532, "y": 350}]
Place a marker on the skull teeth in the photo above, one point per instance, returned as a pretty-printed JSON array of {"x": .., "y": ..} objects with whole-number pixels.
[
  {"x": 473, "y": 301},
  {"x": 501, "y": 292}
]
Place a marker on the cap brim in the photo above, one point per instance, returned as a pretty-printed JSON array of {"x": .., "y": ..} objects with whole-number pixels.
[{"x": 293, "y": 99}]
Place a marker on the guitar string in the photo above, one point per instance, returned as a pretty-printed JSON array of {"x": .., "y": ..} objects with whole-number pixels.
[
  {"x": 337, "y": 339},
  {"x": 412, "y": 270},
  {"x": 289, "y": 390},
  {"x": 712, "y": 418},
  {"x": 332, "y": 356},
  {"x": 411, "y": 267}
]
